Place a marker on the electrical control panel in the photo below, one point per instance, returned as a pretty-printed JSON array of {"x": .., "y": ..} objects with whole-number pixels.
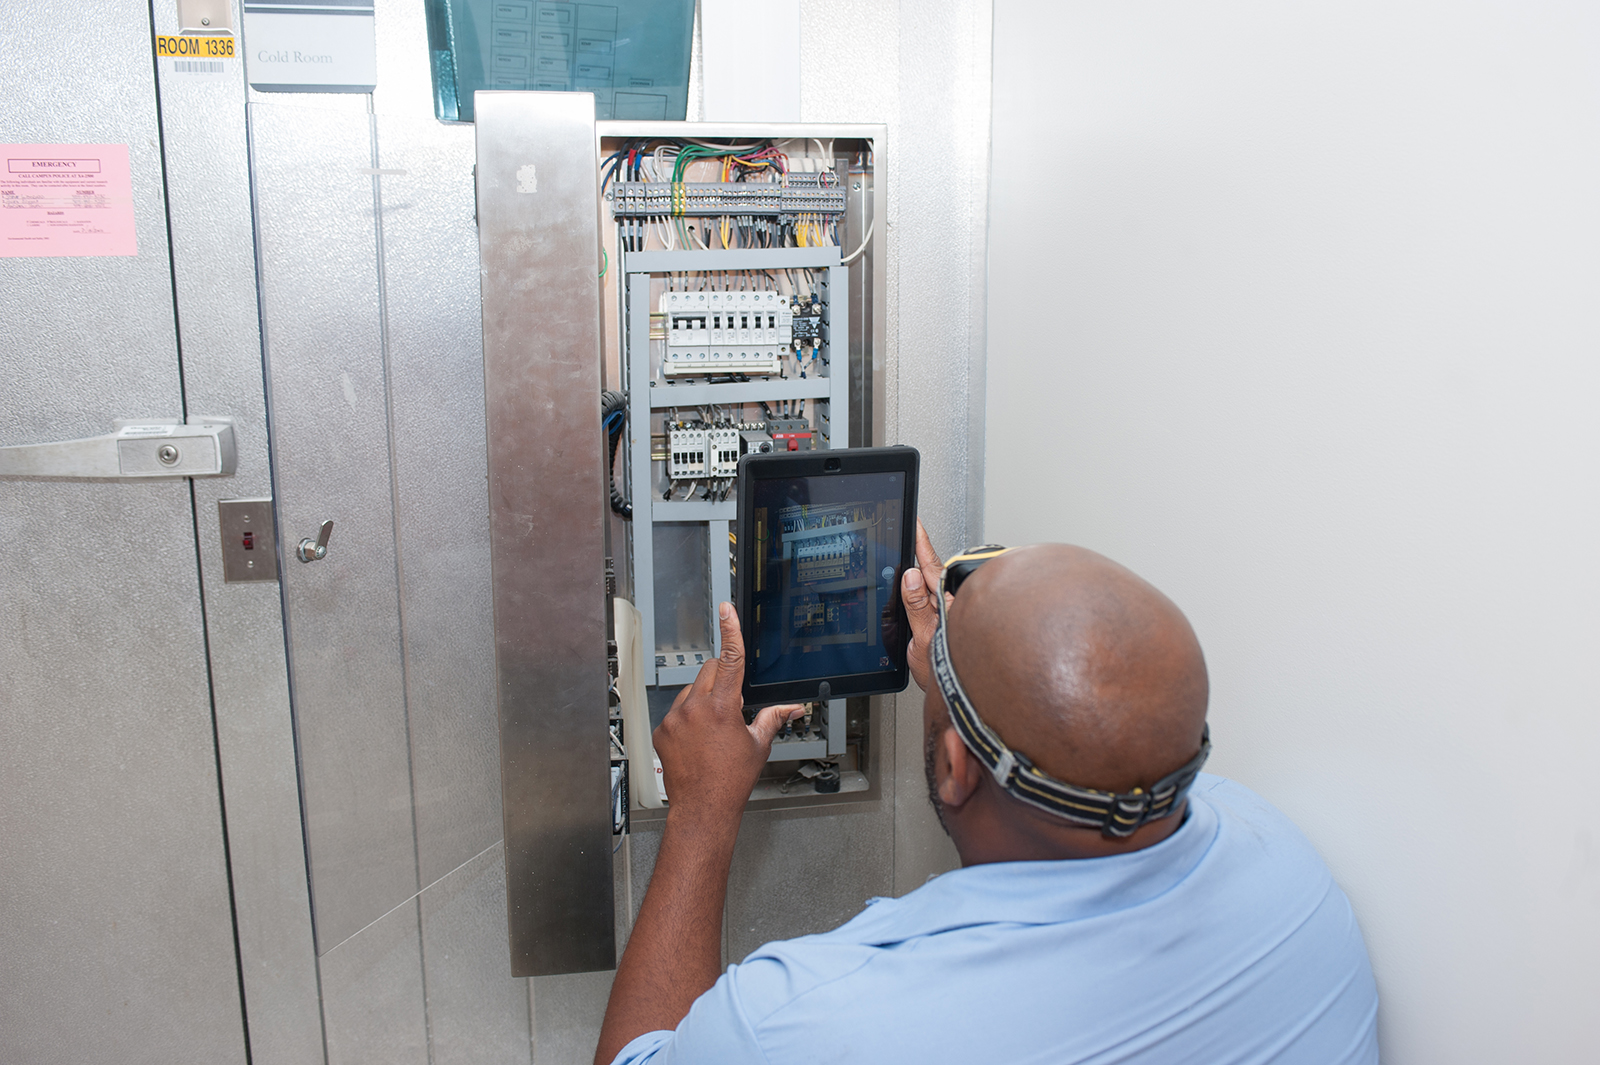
[
  {"x": 740, "y": 299},
  {"x": 741, "y": 283}
]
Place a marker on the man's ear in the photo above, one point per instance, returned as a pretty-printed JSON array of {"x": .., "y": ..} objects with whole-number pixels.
[{"x": 959, "y": 773}]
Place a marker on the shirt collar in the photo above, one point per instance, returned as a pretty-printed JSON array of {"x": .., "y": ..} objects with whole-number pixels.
[{"x": 1043, "y": 892}]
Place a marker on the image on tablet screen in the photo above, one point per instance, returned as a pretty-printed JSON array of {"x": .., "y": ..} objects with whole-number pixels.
[{"x": 826, "y": 575}]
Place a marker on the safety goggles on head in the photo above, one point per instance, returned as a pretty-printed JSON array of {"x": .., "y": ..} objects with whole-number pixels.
[{"x": 1115, "y": 814}]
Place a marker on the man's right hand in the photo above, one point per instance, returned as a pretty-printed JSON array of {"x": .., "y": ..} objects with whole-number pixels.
[{"x": 918, "y": 587}]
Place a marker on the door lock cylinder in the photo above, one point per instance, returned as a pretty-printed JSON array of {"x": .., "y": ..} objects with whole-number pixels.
[{"x": 315, "y": 550}]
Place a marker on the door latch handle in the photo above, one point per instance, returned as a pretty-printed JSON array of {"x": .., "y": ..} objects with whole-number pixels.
[
  {"x": 154, "y": 447},
  {"x": 315, "y": 550}
]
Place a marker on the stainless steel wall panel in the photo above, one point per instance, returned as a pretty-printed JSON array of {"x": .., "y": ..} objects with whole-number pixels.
[
  {"x": 538, "y": 212},
  {"x": 871, "y": 62},
  {"x": 796, "y": 875},
  {"x": 940, "y": 256},
  {"x": 567, "y": 1011},
  {"x": 435, "y": 360},
  {"x": 943, "y": 213},
  {"x": 477, "y": 1012},
  {"x": 214, "y": 276},
  {"x": 326, "y": 383},
  {"x": 372, "y": 995},
  {"x": 114, "y": 921},
  {"x": 643, "y": 846}
]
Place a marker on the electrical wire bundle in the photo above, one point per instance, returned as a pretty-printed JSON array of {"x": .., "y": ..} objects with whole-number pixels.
[
  {"x": 613, "y": 415},
  {"x": 670, "y": 162}
]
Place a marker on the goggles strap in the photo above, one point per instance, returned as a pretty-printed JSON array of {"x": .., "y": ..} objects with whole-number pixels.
[{"x": 1116, "y": 815}]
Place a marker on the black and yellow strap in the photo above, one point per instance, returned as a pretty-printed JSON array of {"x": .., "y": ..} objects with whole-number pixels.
[
  {"x": 966, "y": 564},
  {"x": 1114, "y": 814}
]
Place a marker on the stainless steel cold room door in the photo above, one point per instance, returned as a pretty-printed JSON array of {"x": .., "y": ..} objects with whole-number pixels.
[{"x": 116, "y": 936}]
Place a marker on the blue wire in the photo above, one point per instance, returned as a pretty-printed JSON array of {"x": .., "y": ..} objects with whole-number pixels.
[{"x": 615, "y": 160}]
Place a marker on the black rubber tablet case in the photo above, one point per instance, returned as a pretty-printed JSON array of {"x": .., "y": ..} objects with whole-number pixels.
[{"x": 897, "y": 631}]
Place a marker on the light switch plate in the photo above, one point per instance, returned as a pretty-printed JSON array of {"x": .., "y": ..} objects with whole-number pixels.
[{"x": 249, "y": 548}]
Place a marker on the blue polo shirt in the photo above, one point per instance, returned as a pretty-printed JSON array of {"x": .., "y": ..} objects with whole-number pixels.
[{"x": 1226, "y": 942}]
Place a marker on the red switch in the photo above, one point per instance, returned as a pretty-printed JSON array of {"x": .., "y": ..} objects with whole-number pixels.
[{"x": 249, "y": 540}]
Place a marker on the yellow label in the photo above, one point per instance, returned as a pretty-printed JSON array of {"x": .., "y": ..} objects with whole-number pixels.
[{"x": 187, "y": 47}]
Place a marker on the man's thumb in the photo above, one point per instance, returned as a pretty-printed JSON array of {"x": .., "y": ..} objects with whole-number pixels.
[{"x": 916, "y": 590}]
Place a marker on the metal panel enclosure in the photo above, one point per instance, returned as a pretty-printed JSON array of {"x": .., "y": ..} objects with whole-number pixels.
[
  {"x": 538, "y": 219},
  {"x": 327, "y": 380}
]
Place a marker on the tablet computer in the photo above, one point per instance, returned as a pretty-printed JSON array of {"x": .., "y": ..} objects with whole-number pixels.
[{"x": 822, "y": 539}]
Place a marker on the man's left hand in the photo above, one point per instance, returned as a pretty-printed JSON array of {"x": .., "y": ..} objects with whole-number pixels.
[{"x": 709, "y": 756}]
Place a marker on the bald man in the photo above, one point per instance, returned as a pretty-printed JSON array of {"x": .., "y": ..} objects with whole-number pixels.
[{"x": 1113, "y": 903}]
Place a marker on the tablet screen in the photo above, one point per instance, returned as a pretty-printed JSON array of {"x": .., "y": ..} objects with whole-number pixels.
[{"x": 825, "y": 575}]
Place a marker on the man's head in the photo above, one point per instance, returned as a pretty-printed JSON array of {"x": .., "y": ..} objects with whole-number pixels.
[{"x": 1080, "y": 665}]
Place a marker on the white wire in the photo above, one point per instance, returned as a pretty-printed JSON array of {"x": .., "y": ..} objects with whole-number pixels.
[
  {"x": 848, "y": 259},
  {"x": 735, "y": 149}
]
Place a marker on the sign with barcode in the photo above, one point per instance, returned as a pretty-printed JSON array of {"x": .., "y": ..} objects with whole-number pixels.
[{"x": 199, "y": 66}]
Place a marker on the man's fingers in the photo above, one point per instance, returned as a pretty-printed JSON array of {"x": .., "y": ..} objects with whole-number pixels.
[
  {"x": 730, "y": 664},
  {"x": 928, "y": 560},
  {"x": 927, "y": 557},
  {"x": 731, "y": 660},
  {"x": 704, "y": 681},
  {"x": 771, "y": 719}
]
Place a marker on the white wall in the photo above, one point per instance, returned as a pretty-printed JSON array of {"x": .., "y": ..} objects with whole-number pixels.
[
  {"x": 1293, "y": 309},
  {"x": 745, "y": 83}
]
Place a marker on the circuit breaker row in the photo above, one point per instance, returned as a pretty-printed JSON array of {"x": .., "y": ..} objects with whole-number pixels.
[
  {"x": 735, "y": 332},
  {"x": 725, "y": 332}
]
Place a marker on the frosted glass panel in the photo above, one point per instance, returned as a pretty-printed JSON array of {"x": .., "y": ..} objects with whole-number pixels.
[{"x": 632, "y": 54}]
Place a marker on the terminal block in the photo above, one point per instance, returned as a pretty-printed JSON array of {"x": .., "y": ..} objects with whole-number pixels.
[
  {"x": 819, "y": 193},
  {"x": 725, "y": 333}
]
